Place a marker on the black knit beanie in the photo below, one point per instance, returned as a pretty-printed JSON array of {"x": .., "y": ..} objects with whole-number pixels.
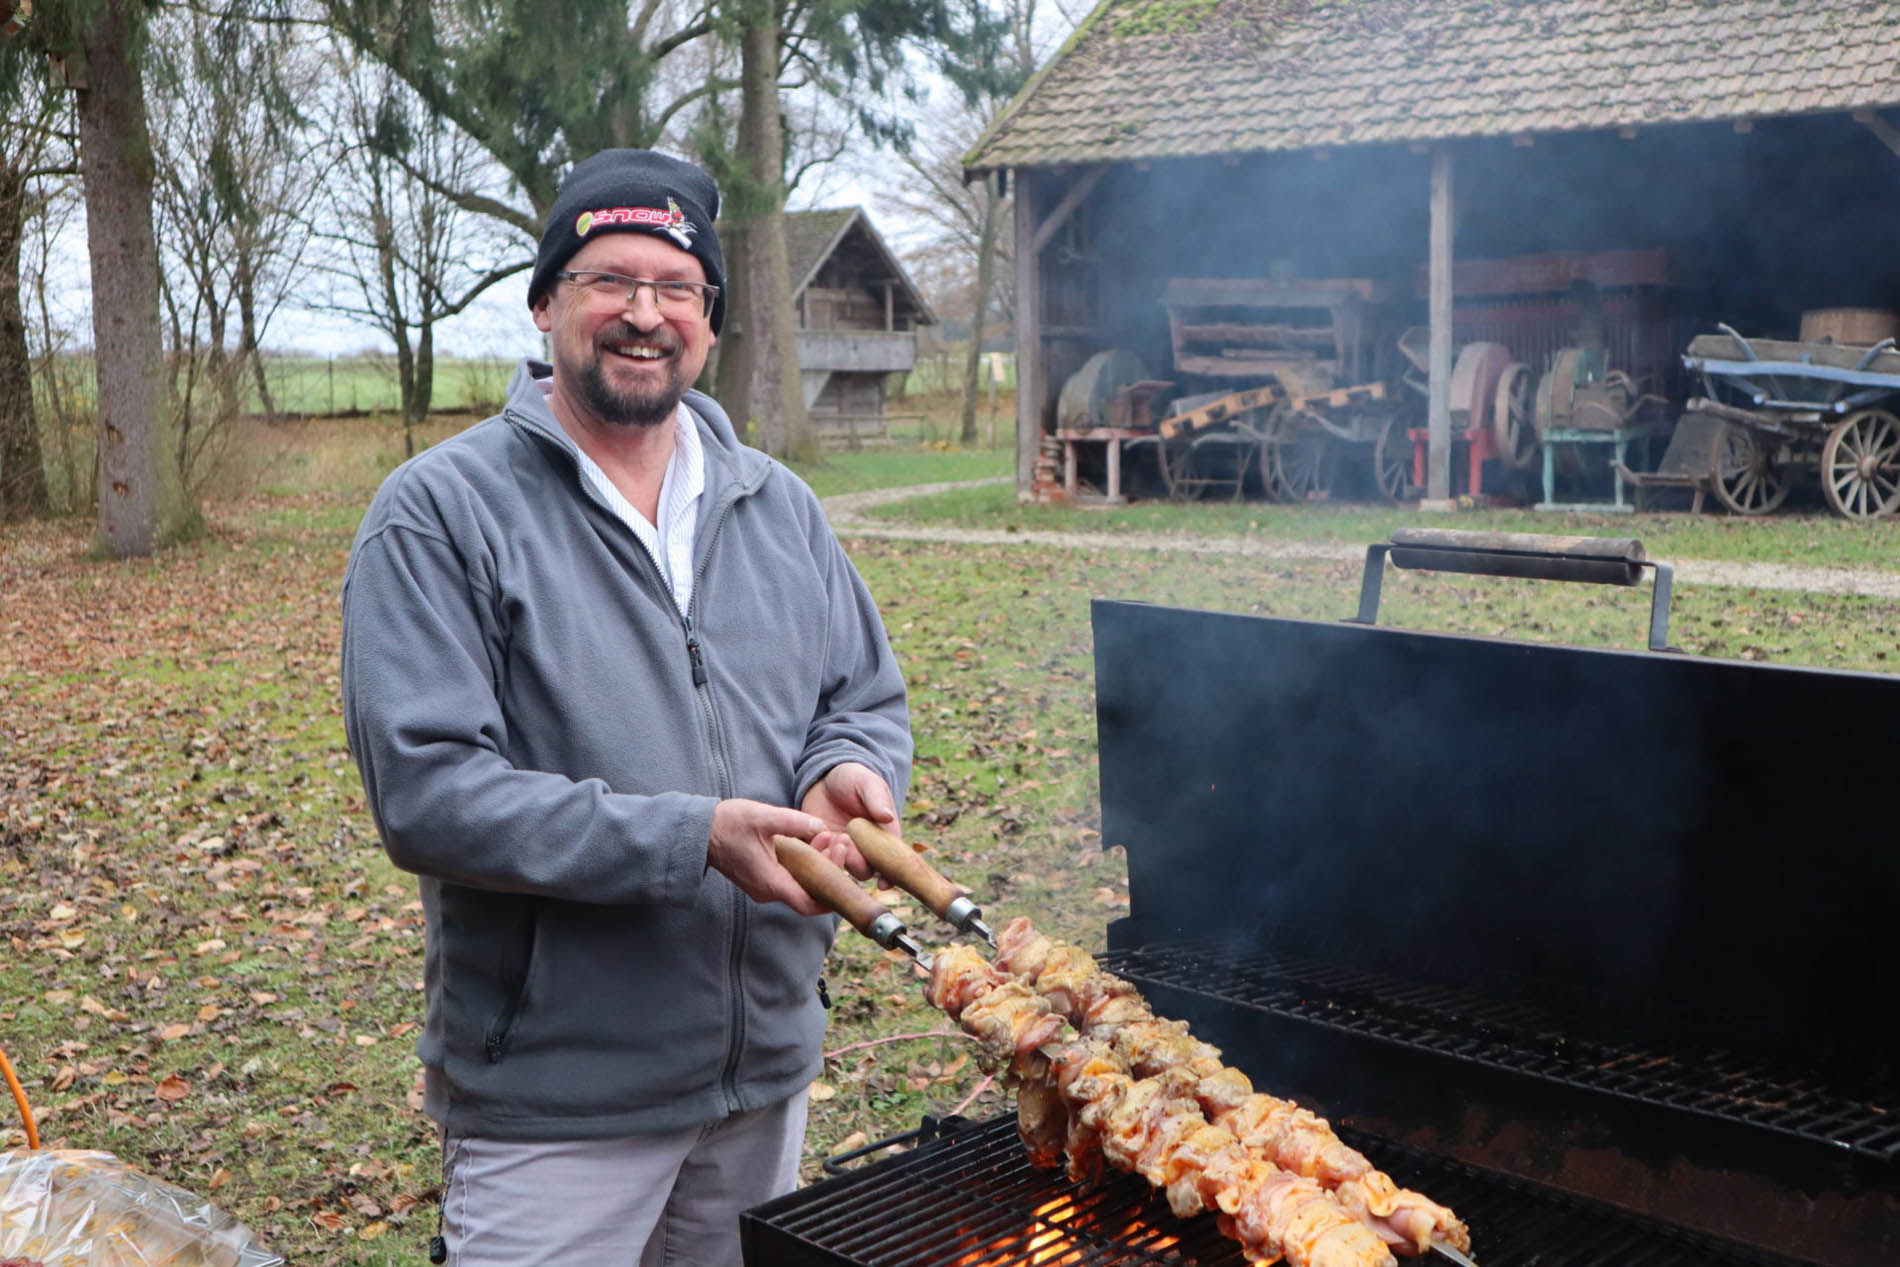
[{"x": 639, "y": 191}]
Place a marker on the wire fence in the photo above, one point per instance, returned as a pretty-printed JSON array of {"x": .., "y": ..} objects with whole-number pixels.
[{"x": 340, "y": 386}]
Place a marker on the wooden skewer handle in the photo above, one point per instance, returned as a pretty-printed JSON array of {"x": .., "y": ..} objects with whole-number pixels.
[
  {"x": 829, "y": 883},
  {"x": 898, "y": 863}
]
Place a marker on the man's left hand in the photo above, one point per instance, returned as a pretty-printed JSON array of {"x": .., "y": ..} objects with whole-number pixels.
[{"x": 849, "y": 791}]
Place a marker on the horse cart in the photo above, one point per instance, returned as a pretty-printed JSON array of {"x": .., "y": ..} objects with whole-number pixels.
[
  {"x": 1791, "y": 407},
  {"x": 1296, "y": 386}
]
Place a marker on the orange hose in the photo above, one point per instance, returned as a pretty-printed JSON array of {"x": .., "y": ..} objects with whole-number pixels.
[{"x": 19, "y": 1098}]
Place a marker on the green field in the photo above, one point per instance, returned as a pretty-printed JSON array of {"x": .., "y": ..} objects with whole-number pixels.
[
  {"x": 367, "y": 384},
  {"x": 213, "y": 968}
]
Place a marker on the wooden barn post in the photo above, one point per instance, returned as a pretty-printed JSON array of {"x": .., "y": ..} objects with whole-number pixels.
[
  {"x": 1438, "y": 417},
  {"x": 1030, "y": 388}
]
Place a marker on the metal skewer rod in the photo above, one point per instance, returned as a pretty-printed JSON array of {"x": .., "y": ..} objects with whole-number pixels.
[{"x": 1456, "y": 1256}]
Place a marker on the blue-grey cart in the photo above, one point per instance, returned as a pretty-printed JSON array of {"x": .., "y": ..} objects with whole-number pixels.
[{"x": 1789, "y": 407}]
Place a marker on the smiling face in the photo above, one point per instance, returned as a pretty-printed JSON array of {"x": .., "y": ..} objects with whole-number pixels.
[{"x": 624, "y": 364}]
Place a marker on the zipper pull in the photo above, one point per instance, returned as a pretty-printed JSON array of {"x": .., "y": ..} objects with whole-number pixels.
[{"x": 692, "y": 650}]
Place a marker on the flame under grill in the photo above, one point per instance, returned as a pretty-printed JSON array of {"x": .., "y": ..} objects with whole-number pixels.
[{"x": 973, "y": 1200}]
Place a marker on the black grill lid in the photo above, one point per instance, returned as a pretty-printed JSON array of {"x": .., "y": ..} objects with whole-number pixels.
[{"x": 1610, "y": 834}]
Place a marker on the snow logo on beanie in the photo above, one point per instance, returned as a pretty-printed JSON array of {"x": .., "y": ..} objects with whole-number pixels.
[{"x": 672, "y": 221}]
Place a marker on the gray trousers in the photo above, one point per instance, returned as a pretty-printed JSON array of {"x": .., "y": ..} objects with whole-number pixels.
[{"x": 669, "y": 1200}]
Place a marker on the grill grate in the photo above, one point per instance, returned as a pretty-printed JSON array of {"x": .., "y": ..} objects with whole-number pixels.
[
  {"x": 970, "y": 1200},
  {"x": 1837, "y": 1111}
]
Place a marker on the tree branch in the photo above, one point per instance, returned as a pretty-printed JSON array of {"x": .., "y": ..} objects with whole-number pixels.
[{"x": 481, "y": 284}]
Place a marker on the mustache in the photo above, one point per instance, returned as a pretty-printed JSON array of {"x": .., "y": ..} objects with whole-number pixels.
[{"x": 661, "y": 337}]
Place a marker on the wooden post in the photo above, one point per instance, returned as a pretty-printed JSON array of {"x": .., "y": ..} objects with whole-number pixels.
[
  {"x": 890, "y": 319},
  {"x": 1438, "y": 419},
  {"x": 1029, "y": 368}
]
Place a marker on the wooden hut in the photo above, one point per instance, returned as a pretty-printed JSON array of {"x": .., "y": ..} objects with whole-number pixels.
[{"x": 858, "y": 313}]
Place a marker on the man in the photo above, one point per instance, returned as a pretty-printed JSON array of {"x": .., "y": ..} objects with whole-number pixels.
[{"x": 594, "y": 653}]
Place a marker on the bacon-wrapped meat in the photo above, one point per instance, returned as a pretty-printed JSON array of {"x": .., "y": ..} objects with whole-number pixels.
[
  {"x": 1085, "y": 1093},
  {"x": 1295, "y": 1141}
]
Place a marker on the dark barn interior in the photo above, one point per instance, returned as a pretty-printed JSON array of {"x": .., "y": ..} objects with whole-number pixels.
[{"x": 1759, "y": 226}]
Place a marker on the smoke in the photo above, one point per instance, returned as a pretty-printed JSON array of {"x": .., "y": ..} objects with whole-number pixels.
[
  {"x": 1759, "y": 226},
  {"x": 1599, "y": 833}
]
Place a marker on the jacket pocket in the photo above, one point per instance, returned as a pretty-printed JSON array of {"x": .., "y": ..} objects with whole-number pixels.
[{"x": 502, "y": 1027}]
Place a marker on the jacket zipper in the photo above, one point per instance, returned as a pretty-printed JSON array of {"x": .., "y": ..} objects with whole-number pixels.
[
  {"x": 496, "y": 1044},
  {"x": 741, "y": 916}
]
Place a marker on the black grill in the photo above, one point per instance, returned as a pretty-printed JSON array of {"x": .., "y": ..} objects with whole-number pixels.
[
  {"x": 1592, "y": 946},
  {"x": 972, "y": 1199}
]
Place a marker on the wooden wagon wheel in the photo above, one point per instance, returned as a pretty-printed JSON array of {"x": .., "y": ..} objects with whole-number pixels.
[
  {"x": 1747, "y": 474},
  {"x": 1392, "y": 460},
  {"x": 1297, "y": 460},
  {"x": 1860, "y": 465}
]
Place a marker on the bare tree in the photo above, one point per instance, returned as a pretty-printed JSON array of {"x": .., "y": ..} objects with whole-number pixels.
[
  {"x": 972, "y": 218},
  {"x": 35, "y": 143},
  {"x": 231, "y": 180},
  {"x": 62, "y": 375},
  {"x": 404, "y": 253}
]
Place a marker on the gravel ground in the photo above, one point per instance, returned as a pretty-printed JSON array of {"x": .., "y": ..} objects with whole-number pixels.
[{"x": 847, "y": 517}]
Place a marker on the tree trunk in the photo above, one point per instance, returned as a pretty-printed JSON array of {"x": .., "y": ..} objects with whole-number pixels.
[
  {"x": 143, "y": 505},
  {"x": 422, "y": 391},
  {"x": 22, "y": 472},
  {"x": 247, "y": 336},
  {"x": 985, "y": 279},
  {"x": 771, "y": 326},
  {"x": 733, "y": 374}
]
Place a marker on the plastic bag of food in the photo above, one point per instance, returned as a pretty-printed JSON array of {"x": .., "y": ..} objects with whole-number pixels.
[{"x": 74, "y": 1208}]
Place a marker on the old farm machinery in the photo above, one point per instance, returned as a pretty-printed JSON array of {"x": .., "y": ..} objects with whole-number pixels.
[
  {"x": 1788, "y": 407},
  {"x": 1299, "y": 388}
]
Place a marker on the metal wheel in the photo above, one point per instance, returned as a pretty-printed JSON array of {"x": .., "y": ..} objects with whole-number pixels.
[
  {"x": 1748, "y": 473},
  {"x": 1860, "y": 465},
  {"x": 1511, "y": 421},
  {"x": 1172, "y": 457},
  {"x": 1298, "y": 462},
  {"x": 1392, "y": 460}
]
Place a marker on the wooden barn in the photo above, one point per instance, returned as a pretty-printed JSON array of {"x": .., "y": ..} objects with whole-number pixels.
[
  {"x": 858, "y": 313},
  {"x": 1200, "y": 185}
]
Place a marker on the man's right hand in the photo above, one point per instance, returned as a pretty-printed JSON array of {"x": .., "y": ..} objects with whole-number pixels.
[{"x": 740, "y": 848}]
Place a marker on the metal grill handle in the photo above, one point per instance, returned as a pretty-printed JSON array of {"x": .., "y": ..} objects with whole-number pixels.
[{"x": 1524, "y": 555}]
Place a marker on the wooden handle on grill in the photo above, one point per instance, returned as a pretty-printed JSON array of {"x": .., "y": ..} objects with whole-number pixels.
[
  {"x": 898, "y": 863},
  {"x": 830, "y": 883}
]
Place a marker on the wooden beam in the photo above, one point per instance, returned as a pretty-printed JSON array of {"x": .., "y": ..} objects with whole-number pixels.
[
  {"x": 1438, "y": 360},
  {"x": 1080, "y": 190},
  {"x": 1888, "y": 134},
  {"x": 1030, "y": 371}
]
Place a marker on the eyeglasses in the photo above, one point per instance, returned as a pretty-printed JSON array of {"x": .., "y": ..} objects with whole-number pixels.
[{"x": 674, "y": 298}]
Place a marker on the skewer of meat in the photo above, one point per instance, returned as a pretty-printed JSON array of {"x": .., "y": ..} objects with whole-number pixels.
[
  {"x": 1081, "y": 1093},
  {"x": 1100, "y": 1004}
]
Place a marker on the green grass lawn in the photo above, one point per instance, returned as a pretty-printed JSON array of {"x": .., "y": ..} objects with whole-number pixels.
[
  {"x": 213, "y": 971},
  {"x": 1812, "y": 538}
]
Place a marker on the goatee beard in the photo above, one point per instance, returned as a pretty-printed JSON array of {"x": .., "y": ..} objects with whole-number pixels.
[{"x": 631, "y": 408}]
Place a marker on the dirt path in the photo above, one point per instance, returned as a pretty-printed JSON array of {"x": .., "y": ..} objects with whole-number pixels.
[{"x": 848, "y": 518}]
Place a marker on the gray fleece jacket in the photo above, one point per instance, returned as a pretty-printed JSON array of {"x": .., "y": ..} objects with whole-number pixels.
[{"x": 543, "y": 738}]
